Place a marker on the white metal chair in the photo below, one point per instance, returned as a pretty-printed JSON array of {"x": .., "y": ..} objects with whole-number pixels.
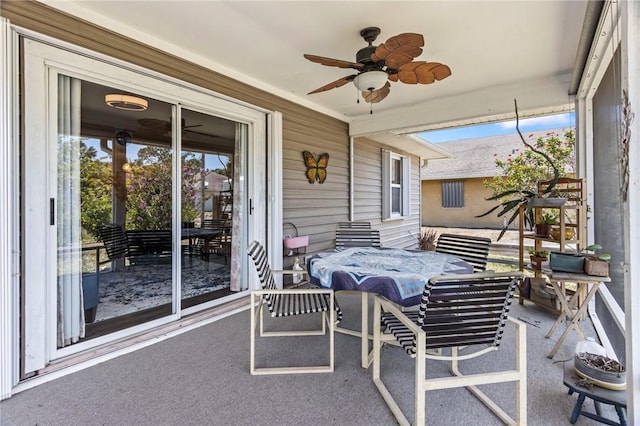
[
  {"x": 456, "y": 310},
  {"x": 289, "y": 302},
  {"x": 357, "y": 237}
]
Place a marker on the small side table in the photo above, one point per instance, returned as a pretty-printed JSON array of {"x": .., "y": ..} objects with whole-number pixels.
[
  {"x": 568, "y": 309},
  {"x": 599, "y": 396}
]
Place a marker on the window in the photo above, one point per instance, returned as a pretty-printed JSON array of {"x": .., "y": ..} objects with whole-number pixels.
[
  {"x": 453, "y": 194},
  {"x": 395, "y": 185}
]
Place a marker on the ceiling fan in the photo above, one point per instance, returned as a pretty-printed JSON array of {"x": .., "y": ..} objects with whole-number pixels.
[
  {"x": 162, "y": 127},
  {"x": 390, "y": 61}
]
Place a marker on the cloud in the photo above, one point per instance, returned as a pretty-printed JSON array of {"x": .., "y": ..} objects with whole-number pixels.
[{"x": 547, "y": 121}]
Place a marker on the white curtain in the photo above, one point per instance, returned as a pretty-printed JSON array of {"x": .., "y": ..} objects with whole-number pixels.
[
  {"x": 237, "y": 230},
  {"x": 69, "y": 269}
]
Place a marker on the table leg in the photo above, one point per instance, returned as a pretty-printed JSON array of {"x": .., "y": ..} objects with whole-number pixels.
[
  {"x": 574, "y": 324},
  {"x": 366, "y": 359},
  {"x": 564, "y": 308},
  {"x": 577, "y": 408}
]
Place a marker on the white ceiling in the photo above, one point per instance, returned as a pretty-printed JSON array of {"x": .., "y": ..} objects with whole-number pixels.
[{"x": 497, "y": 51}]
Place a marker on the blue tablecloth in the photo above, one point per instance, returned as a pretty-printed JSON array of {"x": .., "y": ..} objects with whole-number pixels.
[{"x": 399, "y": 275}]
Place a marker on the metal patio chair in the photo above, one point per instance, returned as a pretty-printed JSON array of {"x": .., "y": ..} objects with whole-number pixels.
[
  {"x": 467, "y": 311},
  {"x": 289, "y": 302},
  {"x": 473, "y": 250}
]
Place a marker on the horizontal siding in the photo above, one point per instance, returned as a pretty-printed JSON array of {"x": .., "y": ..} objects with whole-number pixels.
[{"x": 400, "y": 233}]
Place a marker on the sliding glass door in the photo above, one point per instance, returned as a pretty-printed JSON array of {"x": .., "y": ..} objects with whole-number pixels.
[{"x": 133, "y": 202}]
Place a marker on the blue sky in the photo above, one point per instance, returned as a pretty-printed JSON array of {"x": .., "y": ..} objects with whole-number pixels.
[{"x": 502, "y": 128}]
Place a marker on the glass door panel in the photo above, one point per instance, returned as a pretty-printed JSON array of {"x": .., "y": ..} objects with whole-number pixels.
[
  {"x": 208, "y": 149},
  {"x": 113, "y": 209}
]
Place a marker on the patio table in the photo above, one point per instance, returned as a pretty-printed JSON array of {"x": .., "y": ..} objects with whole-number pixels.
[
  {"x": 205, "y": 233},
  {"x": 397, "y": 274}
]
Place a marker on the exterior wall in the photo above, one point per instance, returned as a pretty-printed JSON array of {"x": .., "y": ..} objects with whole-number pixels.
[
  {"x": 475, "y": 203},
  {"x": 313, "y": 208},
  {"x": 401, "y": 233}
]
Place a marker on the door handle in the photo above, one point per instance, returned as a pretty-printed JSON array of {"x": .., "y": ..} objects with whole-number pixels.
[
  {"x": 250, "y": 206},
  {"x": 52, "y": 211}
]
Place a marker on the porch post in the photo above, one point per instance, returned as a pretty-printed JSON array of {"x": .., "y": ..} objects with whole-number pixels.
[{"x": 630, "y": 60}]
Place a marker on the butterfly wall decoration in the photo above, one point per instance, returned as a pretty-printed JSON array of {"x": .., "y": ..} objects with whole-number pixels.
[{"x": 316, "y": 168}]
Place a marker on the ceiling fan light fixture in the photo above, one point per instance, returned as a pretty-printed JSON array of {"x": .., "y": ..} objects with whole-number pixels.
[
  {"x": 126, "y": 102},
  {"x": 370, "y": 80}
]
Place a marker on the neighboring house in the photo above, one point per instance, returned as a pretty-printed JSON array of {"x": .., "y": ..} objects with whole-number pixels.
[{"x": 453, "y": 190}]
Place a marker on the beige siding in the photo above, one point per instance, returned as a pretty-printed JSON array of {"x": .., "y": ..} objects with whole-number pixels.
[
  {"x": 368, "y": 195},
  {"x": 475, "y": 203}
]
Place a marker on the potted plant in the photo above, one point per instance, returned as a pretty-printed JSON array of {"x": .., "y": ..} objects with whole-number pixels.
[
  {"x": 543, "y": 225},
  {"x": 596, "y": 263},
  {"x": 537, "y": 257}
]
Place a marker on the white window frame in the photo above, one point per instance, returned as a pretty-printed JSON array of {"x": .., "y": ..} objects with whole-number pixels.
[{"x": 388, "y": 157}]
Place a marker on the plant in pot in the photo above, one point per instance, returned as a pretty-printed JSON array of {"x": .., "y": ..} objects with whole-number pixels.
[
  {"x": 537, "y": 257},
  {"x": 544, "y": 224},
  {"x": 596, "y": 263}
]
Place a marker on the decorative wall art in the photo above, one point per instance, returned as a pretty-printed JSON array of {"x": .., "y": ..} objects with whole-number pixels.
[{"x": 316, "y": 169}]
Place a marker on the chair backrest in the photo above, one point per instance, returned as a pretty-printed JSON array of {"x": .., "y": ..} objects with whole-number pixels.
[
  {"x": 464, "y": 310},
  {"x": 354, "y": 225},
  {"x": 146, "y": 242},
  {"x": 215, "y": 223},
  {"x": 473, "y": 250},
  {"x": 259, "y": 256},
  {"x": 355, "y": 237},
  {"x": 114, "y": 240}
]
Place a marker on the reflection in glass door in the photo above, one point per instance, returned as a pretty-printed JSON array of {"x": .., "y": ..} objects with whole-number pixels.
[
  {"x": 114, "y": 209},
  {"x": 208, "y": 148}
]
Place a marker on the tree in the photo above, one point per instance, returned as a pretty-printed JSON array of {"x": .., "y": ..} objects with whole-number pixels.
[
  {"x": 523, "y": 171},
  {"x": 149, "y": 188},
  {"x": 95, "y": 192}
]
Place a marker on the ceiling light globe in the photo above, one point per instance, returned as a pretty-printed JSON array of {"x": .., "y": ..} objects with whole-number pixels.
[{"x": 370, "y": 80}]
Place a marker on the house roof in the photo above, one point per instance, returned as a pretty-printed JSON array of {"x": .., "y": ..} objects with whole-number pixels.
[
  {"x": 412, "y": 144},
  {"x": 475, "y": 157}
]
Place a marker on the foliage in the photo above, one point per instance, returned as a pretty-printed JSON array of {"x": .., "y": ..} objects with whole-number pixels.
[
  {"x": 427, "y": 240},
  {"x": 538, "y": 253},
  {"x": 149, "y": 189},
  {"x": 593, "y": 250},
  {"x": 518, "y": 185},
  {"x": 95, "y": 191},
  {"x": 523, "y": 171},
  {"x": 548, "y": 218}
]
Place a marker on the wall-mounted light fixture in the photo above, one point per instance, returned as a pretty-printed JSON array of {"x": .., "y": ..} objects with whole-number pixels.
[{"x": 126, "y": 102}]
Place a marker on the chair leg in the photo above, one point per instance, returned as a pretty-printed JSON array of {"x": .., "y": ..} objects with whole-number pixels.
[{"x": 257, "y": 316}]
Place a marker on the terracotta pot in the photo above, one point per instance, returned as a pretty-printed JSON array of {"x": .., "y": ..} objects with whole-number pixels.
[
  {"x": 543, "y": 230},
  {"x": 536, "y": 262}
]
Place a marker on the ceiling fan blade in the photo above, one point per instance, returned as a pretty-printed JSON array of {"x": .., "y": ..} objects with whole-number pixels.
[
  {"x": 338, "y": 83},
  {"x": 376, "y": 96},
  {"x": 330, "y": 62},
  {"x": 399, "y": 49},
  {"x": 421, "y": 72},
  {"x": 154, "y": 123}
]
